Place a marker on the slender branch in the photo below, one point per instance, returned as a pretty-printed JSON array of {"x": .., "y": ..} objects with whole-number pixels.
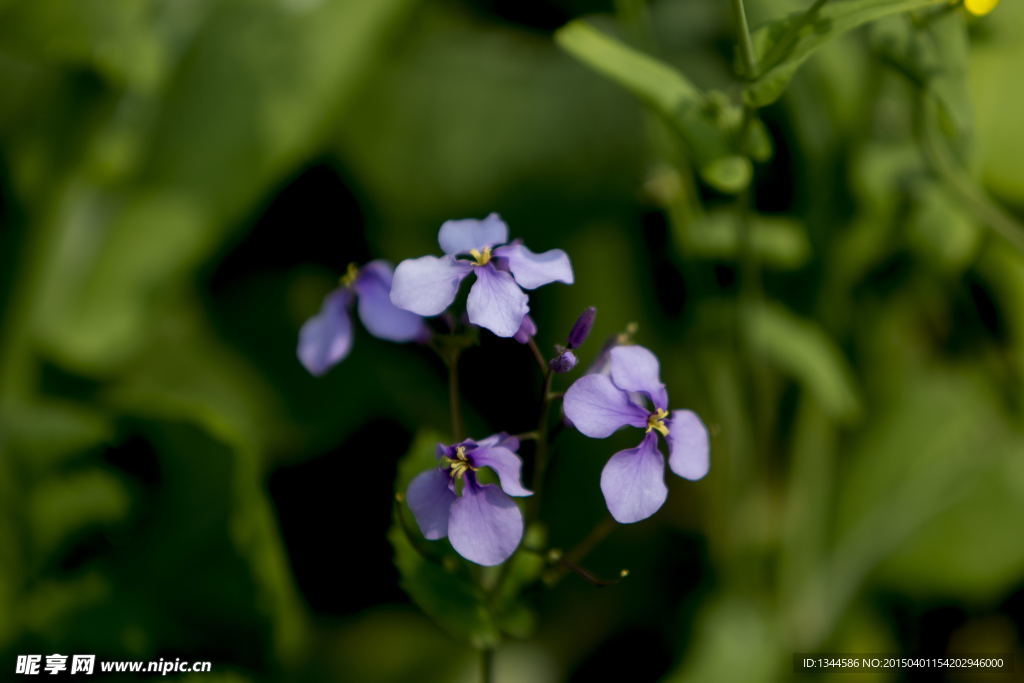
[
  {"x": 458, "y": 429},
  {"x": 541, "y": 454},
  {"x": 538, "y": 356},
  {"x": 746, "y": 46},
  {"x": 780, "y": 50},
  {"x": 952, "y": 174},
  {"x": 487, "y": 665}
]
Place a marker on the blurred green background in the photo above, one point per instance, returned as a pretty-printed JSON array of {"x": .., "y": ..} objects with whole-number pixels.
[{"x": 181, "y": 181}]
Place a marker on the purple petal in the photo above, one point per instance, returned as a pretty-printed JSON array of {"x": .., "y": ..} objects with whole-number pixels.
[
  {"x": 634, "y": 368},
  {"x": 597, "y": 407},
  {"x": 633, "y": 482},
  {"x": 533, "y": 270},
  {"x": 485, "y": 525},
  {"x": 502, "y": 439},
  {"x": 506, "y": 465},
  {"x": 381, "y": 317},
  {"x": 326, "y": 338},
  {"x": 462, "y": 236},
  {"x": 430, "y": 499},
  {"x": 427, "y": 285},
  {"x": 527, "y": 329},
  {"x": 688, "y": 445},
  {"x": 496, "y": 303}
]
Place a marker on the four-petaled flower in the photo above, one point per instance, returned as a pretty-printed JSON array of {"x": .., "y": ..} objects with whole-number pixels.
[
  {"x": 631, "y": 393},
  {"x": 483, "y": 524},
  {"x": 428, "y": 285},
  {"x": 326, "y": 338}
]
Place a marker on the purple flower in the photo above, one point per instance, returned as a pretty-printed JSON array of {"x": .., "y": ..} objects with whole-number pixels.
[
  {"x": 633, "y": 481},
  {"x": 428, "y": 285},
  {"x": 483, "y": 524},
  {"x": 326, "y": 338},
  {"x": 527, "y": 330}
]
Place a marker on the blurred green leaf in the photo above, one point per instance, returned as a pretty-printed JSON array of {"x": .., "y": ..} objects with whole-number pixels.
[
  {"x": 116, "y": 38},
  {"x": 934, "y": 53},
  {"x": 941, "y": 230},
  {"x": 804, "y": 350},
  {"x": 995, "y": 58},
  {"x": 829, "y": 21},
  {"x": 932, "y": 491},
  {"x": 778, "y": 241},
  {"x": 63, "y": 506},
  {"x": 670, "y": 94}
]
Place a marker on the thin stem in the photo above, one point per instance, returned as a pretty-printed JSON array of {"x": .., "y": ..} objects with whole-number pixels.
[
  {"x": 487, "y": 665},
  {"x": 743, "y": 38},
  {"x": 458, "y": 429},
  {"x": 541, "y": 454},
  {"x": 973, "y": 196},
  {"x": 570, "y": 561},
  {"x": 780, "y": 50},
  {"x": 538, "y": 356}
]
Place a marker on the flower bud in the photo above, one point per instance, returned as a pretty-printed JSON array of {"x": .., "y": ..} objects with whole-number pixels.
[
  {"x": 526, "y": 330},
  {"x": 563, "y": 362},
  {"x": 581, "y": 328}
]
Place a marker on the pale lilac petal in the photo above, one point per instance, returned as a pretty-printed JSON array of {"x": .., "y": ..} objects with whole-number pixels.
[
  {"x": 505, "y": 464},
  {"x": 634, "y": 368},
  {"x": 326, "y": 338},
  {"x": 430, "y": 498},
  {"x": 527, "y": 330},
  {"x": 381, "y": 317},
  {"x": 597, "y": 407},
  {"x": 502, "y": 439},
  {"x": 427, "y": 285},
  {"x": 533, "y": 270},
  {"x": 496, "y": 303},
  {"x": 485, "y": 525},
  {"x": 633, "y": 482},
  {"x": 688, "y": 445},
  {"x": 462, "y": 236}
]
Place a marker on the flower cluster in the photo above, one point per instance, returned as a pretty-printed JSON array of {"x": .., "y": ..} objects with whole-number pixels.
[{"x": 622, "y": 388}]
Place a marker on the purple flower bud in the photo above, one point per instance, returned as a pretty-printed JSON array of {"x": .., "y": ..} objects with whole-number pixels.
[
  {"x": 581, "y": 328},
  {"x": 527, "y": 329},
  {"x": 563, "y": 362}
]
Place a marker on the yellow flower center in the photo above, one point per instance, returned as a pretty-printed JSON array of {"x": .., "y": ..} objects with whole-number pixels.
[
  {"x": 481, "y": 258},
  {"x": 459, "y": 465},
  {"x": 980, "y": 8},
  {"x": 349, "y": 278},
  {"x": 656, "y": 420}
]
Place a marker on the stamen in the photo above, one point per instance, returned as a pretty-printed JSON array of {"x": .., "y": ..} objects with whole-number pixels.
[
  {"x": 349, "y": 278},
  {"x": 481, "y": 258},
  {"x": 656, "y": 420},
  {"x": 460, "y": 464}
]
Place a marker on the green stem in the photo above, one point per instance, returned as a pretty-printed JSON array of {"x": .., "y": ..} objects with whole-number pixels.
[
  {"x": 538, "y": 356},
  {"x": 487, "y": 665},
  {"x": 746, "y": 45},
  {"x": 949, "y": 171},
  {"x": 458, "y": 429},
  {"x": 781, "y": 49},
  {"x": 541, "y": 455}
]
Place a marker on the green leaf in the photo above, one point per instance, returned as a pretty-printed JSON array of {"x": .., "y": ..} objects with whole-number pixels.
[
  {"x": 941, "y": 230},
  {"x": 662, "y": 87},
  {"x": 802, "y": 349},
  {"x": 933, "y": 494},
  {"x": 777, "y": 241},
  {"x": 709, "y": 126},
  {"x": 830, "y": 21}
]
